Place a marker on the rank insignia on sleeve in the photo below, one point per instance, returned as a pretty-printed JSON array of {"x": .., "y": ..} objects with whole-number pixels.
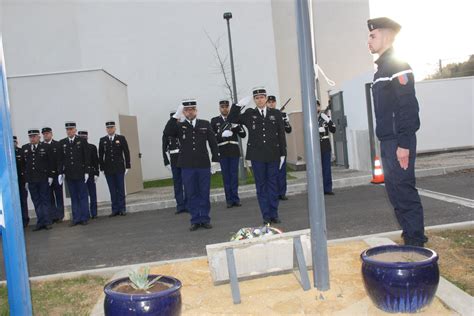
[{"x": 403, "y": 79}]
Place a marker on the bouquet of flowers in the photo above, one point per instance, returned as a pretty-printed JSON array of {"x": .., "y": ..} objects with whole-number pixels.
[{"x": 255, "y": 232}]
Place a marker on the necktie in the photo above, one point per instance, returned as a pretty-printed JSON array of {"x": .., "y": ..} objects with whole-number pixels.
[
  {"x": 110, "y": 137},
  {"x": 263, "y": 115},
  {"x": 70, "y": 141}
]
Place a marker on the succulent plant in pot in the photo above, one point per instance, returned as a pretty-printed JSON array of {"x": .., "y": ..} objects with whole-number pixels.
[{"x": 143, "y": 294}]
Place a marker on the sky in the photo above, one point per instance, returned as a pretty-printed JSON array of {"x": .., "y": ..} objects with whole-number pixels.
[{"x": 431, "y": 30}]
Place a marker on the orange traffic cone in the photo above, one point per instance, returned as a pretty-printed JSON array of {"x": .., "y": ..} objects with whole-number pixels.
[{"x": 378, "y": 173}]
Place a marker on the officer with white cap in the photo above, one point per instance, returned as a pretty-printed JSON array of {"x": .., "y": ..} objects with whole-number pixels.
[
  {"x": 194, "y": 135},
  {"x": 266, "y": 149}
]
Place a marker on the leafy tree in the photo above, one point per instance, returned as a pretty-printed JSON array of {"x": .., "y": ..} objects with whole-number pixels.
[{"x": 454, "y": 70}]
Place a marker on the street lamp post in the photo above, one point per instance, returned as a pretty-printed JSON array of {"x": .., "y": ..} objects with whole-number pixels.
[{"x": 242, "y": 173}]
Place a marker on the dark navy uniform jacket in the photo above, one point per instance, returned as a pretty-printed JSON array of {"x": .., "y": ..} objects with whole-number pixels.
[
  {"x": 54, "y": 149},
  {"x": 172, "y": 146},
  {"x": 395, "y": 103},
  {"x": 267, "y": 141},
  {"x": 39, "y": 165},
  {"x": 228, "y": 146},
  {"x": 193, "y": 142},
  {"x": 74, "y": 158},
  {"x": 114, "y": 156},
  {"x": 324, "y": 136},
  {"x": 20, "y": 165},
  {"x": 94, "y": 166}
]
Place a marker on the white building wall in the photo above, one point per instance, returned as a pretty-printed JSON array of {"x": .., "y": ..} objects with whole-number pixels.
[
  {"x": 88, "y": 97},
  {"x": 159, "y": 48}
]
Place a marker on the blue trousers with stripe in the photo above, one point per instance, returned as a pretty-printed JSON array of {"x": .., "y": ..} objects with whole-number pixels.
[
  {"x": 57, "y": 200},
  {"x": 92, "y": 190},
  {"x": 79, "y": 200},
  {"x": 179, "y": 196},
  {"x": 282, "y": 180},
  {"x": 327, "y": 176},
  {"x": 230, "y": 177},
  {"x": 197, "y": 187},
  {"x": 266, "y": 183},
  {"x": 39, "y": 192},
  {"x": 116, "y": 183}
]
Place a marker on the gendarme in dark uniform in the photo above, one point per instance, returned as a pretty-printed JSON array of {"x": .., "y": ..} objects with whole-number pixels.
[
  {"x": 74, "y": 164},
  {"x": 397, "y": 120},
  {"x": 227, "y": 135},
  {"x": 57, "y": 198},
  {"x": 93, "y": 176},
  {"x": 282, "y": 185},
  {"x": 266, "y": 148},
  {"x": 171, "y": 147},
  {"x": 20, "y": 171},
  {"x": 326, "y": 126},
  {"x": 114, "y": 161},
  {"x": 194, "y": 135},
  {"x": 39, "y": 173}
]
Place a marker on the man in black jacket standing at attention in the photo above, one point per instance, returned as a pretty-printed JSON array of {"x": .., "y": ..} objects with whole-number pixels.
[
  {"x": 74, "y": 164},
  {"x": 94, "y": 175},
  {"x": 227, "y": 139},
  {"x": 266, "y": 148},
  {"x": 194, "y": 135},
  {"x": 114, "y": 161}
]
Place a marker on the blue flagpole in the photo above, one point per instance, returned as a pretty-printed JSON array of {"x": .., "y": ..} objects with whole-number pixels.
[{"x": 11, "y": 225}]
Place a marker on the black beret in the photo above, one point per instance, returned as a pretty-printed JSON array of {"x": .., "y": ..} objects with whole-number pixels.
[
  {"x": 110, "y": 124},
  {"x": 46, "y": 130},
  {"x": 272, "y": 98},
  {"x": 70, "y": 124},
  {"x": 224, "y": 102},
  {"x": 383, "y": 23}
]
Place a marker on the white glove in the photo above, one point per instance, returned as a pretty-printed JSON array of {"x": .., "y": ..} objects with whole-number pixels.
[
  {"x": 214, "y": 167},
  {"x": 322, "y": 129},
  {"x": 126, "y": 171},
  {"x": 282, "y": 160},
  {"x": 234, "y": 125},
  {"x": 244, "y": 101},
  {"x": 60, "y": 179},
  {"x": 179, "y": 112},
  {"x": 325, "y": 117},
  {"x": 26, "y": 185},
  {"x": 169, "y": 168},
  {"x": 86, "y": 177},
  {"x": 96, "y": 178},
  {"x": 227, "y": 133},
  {"x": 50, "y": 181}
]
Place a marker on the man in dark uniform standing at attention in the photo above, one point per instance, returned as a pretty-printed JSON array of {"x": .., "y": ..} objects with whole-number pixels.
[
  {"x": 57, "y": 199},
  {"x": 39, "y": 173},
  {"x": 326, "y": 126},
  {"x": 114, "y": 161},
  {"x": 282, "y": 172},
  {"x": 397, "y": 120},
  {"x": 74, "y": 165},
  {"x": 171, "y": 147},
  {"x": 194, "y": 135},
  {"x": 20, "y": 171},
  {"x": 266, "y": 149},
  {"x": 93, "y": 176},
  {"x": 227, "y": 139}
]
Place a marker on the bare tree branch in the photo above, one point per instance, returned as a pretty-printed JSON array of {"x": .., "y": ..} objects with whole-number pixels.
[{"x": 222, "y": 61}]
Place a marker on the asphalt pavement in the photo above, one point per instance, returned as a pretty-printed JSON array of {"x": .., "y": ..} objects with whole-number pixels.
[{"x": 162, "y": 235}]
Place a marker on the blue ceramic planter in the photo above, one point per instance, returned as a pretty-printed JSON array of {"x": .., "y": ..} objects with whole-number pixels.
[
  {"x": 400, "y": 287},
  {"x": 164, "y": 303}
]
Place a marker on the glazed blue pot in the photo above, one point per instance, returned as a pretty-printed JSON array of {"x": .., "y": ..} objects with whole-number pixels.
[
  {"x": 400, "y": 287},
  {"x": 166, "y": 302}
]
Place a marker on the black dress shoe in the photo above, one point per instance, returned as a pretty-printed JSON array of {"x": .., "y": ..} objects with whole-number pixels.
[
  {"x": 267, "y": 222},
  {"x": 328, "y": 193},
  {"x": 84, "y": 223},
  {"x": 283, "y": 197},
  {"x": 194, "y": 227},
  {"x": 113, "y": 215},
  {"x": 73, "y": 224},
  {"x": 123, "y": 214},
  {"x": 47, "y": 227},
  {"x": 55, "y": 221},
  {"x": 94, "y": 217},
  {"x": 276, "y": 220},
  {"x": 181, "y": 211},
  {"x": 37, "y": 228},
  {"x": 237, "y": 204},
  {"x": 230, "y": 205},
  {"x": 206, "y": 225}
]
